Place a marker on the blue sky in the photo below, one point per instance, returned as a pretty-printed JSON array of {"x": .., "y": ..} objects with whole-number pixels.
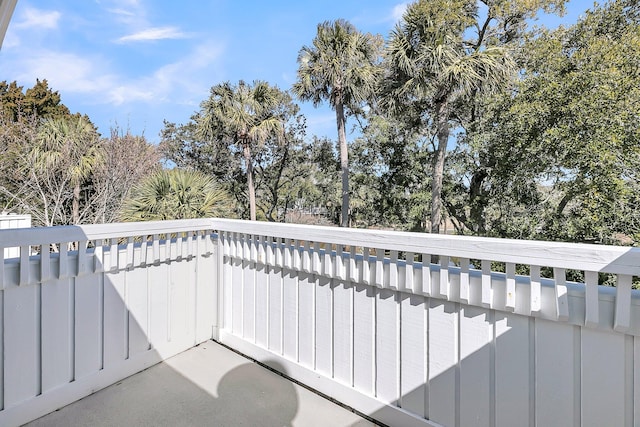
[{"x": 135, "y": 63}]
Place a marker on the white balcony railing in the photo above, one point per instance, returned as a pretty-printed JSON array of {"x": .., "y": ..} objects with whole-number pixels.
[{"x": 352, "y": 313}]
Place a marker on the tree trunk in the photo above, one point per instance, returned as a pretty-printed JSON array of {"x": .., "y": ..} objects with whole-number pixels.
[
  {"x": 344, "y": 164},
  {"x": 442, "y": 123},
  {"x": 75, "y": 205},
  {"x": 252, "y": 191}
]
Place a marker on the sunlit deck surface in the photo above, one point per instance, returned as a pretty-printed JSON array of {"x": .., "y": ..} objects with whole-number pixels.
[{"x": 208, "y": 385}]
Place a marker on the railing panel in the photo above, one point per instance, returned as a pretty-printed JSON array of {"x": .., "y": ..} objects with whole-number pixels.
[
  {"x": 57, "y": 334},
  {"x": 290, "y": 314},
  {"x": 115, "y": 314},
  {"x": 137, "y": 290},
  {"x": 306, "y": 320},
  {"x": 262, "y": 305},
  {"x": 88, "y": 328},
  {"x": 364, "y": 325},
  {"x": 413, "y": 353},
  {"x": 275, "y": 310},
  {"x": 324, "y": 327}
]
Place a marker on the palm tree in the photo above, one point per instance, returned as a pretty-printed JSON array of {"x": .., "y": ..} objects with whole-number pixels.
[
  {"x": 68, "y": 145},
  {"x": 245, "y": 115},
  {"x": 176, "y": 194},
  {"x": 340, "y": 67},
  {"x": 432, "y": 66}
]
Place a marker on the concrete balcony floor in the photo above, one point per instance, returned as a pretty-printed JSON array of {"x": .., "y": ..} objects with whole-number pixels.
[{"x": 208, "y": 385}]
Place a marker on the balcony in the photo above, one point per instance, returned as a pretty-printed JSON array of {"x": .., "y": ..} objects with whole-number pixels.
[{"x": 405, "y": 328}]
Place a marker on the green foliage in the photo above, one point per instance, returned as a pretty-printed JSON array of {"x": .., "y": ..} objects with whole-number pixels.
[
  {"x": 561, "y": 151},
  {"x": 39, "y": 101},
  {"x": 176, "y": 194},
  {"x": 340, "y": 67}
]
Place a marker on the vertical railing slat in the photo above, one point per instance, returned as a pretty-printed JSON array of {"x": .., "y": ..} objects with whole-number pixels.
[
  {"x": 24, "y": 265},
  {"x": 408, "y": 272},
  {"x": 464, "y": 280},
  {"x": 592, "y": 304},
  {"x": 393, "y": 270},
  {"x": 510, "y": 297},
  {"x": 45, "y": 262},
  {"x": 445, "y": 283},
  {"x": 426, "y": 274},
  {"x": 379, "y": 267},
  {"x": 366, "y": 267},
  {"x": 622, "y": 319},
  {"x": 486, "y": 297},
  {"x": 536, "y": 291},
  {"x": 562, "y": 296}
]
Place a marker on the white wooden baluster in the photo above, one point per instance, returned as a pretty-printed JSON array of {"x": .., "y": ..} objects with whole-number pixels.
[
  {"x": 232, "y": 244},
  {"x": 261, "y": 250},
  {"x": 208, "y": 242},
  {"x": 379, "y": 267},
  {"x": 113, "y": 254},
  {"x": 45, "y": 262},
  {"x": 226, "y": 244},
  {"x": 426, "y": 274},
  {"x": 189, "y": 237},
  {"x": 315, "y": 258},
  {"x": 562, "y": 296},
  {"x": 83, "y": 265},
  {"x": 486, "y": 298},
  {"x": 178, "y": 256},
  {"x": 464, "y": 280},
  {"x": 240, "y": 241},
  {"x": 510, "y": 297},
  {"x": 306, "y": 257},
  {"x": 445, "y": 283},
  {"x": 246, "y": 247},
  {"x": 156, "y": 248},
  {"x": 63, "y": 260},
  {"x": 623, "y": 303},
  {"x": 130, "y": 252},
  {"x": 536, "y": 297},
  {"x": 592, "y": 303},
  {"x": 353, "y": 268},
  {"x": 271, "y": 258},
  {"x": 408, "y": 272},
  {"x": 327, "y": 262},
  {"x": 1, "y": 268},
  {"x": 393, "y": 270},
  {"x": 288, "y": 261},
  {"x": 297, "y": 257},
  {"x": 98, "y": 250},
  {"x": 340, "y": 273},
  {"x": 279, "y": 254},
  {"x": 366, "y": 266},
  {"x": 143, "y": 251}
]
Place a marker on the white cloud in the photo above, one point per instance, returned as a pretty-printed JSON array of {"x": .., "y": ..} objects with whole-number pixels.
[
  {"x": 398, "y": 11},
  {"x": 157, "y": 33},
  {"x": 38, "y": 19}
]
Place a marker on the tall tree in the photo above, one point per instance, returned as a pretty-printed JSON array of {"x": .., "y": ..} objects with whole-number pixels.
[
  {"x": 340, "y": 67},
  {"x": 69, "y": 145},
  {"x": 245, "y": 115},
  {"x": 447, "y": 52}
]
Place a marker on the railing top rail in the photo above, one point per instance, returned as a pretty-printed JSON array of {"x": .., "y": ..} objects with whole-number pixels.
[
  {"x": 72, "y": 233},
  {"x": 578, "y": 256}
]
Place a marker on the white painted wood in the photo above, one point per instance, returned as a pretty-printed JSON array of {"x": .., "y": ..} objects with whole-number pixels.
[
  {"x": 413, "y": 354},
  {"x": 379, "y": 268},
  {"x": 443, "y": 361},
  {"x": 261, "y": 306},
  {"x": 182, "y": 305},
  {"x": 409, "y": 283},
  {"x": 88, "y": 326},
  {"x": 290, "y": 315},
  {"x": 57, "y": 331},
  {"x": 208, "y": 295},
  {"x": 324, "y": 327},
  {"x": 476, "y": 366},
  {"x": 366, "y": 266},
  {"x": 445, "y": 284},
  {"x": 275, "y": 311},
  {"x": 98, "y": 256},
  {"x": 510, "y": 297},
  {"x": 393, "y": 270},
  {"x": 603, "y": 368},
  {"x": 248, "y": 301},
  {"x": 353, "y": 266},
  {"x": 237, "y": 298},
  {"x": 159, "y": 307},
  {"x": 487, "y": 291},
  {"x": 387, "y": 347},
  {"x": 343, "y": 332},
  {"x": 556, "y": 384},
  {"x": 464, "y": 281},
  {"x": 623, "y": 303},
  {"x": 635, "y": 397},
  {"x": 592, "y": 304},
  {"x": 426, "y": 275},
  {"x": 315, "y": 258},
  {"x": 45, "y": 263},
  {"x": 25, "y": 277},
  {"x": 306, "y": 257},
  {"x": 536, "y": 298},
  {"x": 116, "y": 316},
  {"x": 21, "y": 344},
  {"x": 340, "y": 272},
  {"x": 138, "y": 310},
  {"x": 562, "y": 297},
  {"x": 306, "y": 320},
  {"x": 514, "y": 362},
  {"x": 364, "y": 315}
]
